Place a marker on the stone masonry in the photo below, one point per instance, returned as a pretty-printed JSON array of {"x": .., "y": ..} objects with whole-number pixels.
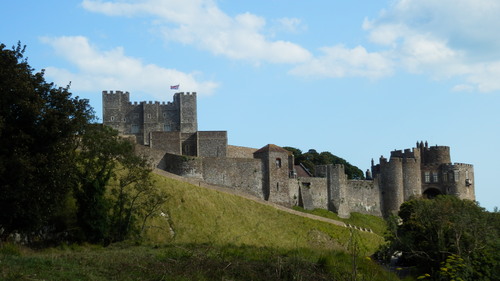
[{"x": 168, "y": 132}]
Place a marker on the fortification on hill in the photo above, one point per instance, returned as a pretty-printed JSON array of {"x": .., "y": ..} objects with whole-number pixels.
[{"x": 168, "y": 133}]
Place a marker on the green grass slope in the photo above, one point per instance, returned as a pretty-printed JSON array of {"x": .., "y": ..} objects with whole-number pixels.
[
  {"x": 198, "y": 215},
  {"x": 210, "y": 235}
]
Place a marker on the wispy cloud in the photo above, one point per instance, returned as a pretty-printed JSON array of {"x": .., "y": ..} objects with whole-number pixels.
[
  {"x": 443, "y": 39},
  {"x": 339, "y": 61},
  {"x": 97, "y": 70},
  {"x": 202, "y": 23}
]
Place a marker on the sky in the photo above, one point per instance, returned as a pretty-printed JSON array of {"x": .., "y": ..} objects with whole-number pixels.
[{"x": 356, "y": 78}]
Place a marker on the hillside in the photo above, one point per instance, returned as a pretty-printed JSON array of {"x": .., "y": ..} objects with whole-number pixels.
[
  {"x": 206, "y": 234},
  {"x": 199, "y": 215}
]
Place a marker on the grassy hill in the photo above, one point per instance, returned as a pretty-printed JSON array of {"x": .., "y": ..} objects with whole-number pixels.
[{"x": 204, "y": 234}]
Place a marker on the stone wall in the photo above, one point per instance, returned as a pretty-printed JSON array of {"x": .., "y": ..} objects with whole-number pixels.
[
  {"x": 168, "y": 142},
  {"x": 186, "y": 166},
  {"x": 313, "y": 193},
  {"x": 234, "y": 151},
  {"x": 363, "y": 196},
  {"x": 244, "y": 174},
  {"x": 212, "y": 143}
]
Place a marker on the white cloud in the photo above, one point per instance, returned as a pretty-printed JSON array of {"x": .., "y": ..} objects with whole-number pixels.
[
  {"x": 338, "y": 61},
  {"x": 446, "y": 38},
  {"x": 202, "y": 23},
  {"x": 442, "y": 39},
  {"x": 292, "y": 25},
  {"x": 99, "y": 70}
]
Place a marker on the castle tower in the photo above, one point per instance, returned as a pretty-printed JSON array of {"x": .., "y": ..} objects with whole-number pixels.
[
  {"x": 391, "y": 177},
  {"x": 412, "y": 183},
  {"x": 187, "y": 112},
  {"x": 115, "y": 108},
  {"x": 435, "y": 155},
  {"x": 337, "y": 184},
  {"x": 275, "y": 172}
]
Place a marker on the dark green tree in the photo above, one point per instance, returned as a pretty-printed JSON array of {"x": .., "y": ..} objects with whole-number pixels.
[
  {"x": 39, "y": 129},
  {"x": 115, "y": 192},
  {"x": 100, "y": 151},
  {"x": 312, "y": 158},
  {"x": 448, "y": 238}
]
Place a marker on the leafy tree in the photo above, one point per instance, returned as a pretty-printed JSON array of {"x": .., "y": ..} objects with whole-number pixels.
[
  {"x": 312, "y": 158},
  {"x": 39, "y": 126},
  {"x": 134, "y": 197},
  {"x": 448, "y": 238},
  {"x": 115, "y": 188}
]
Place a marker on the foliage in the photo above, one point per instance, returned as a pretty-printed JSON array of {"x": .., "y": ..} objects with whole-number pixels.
[
  {"x": 58, "y": 170},
  {"x": 107, "y": 162},
  {"x": 39, "y": 125},
  {"x": 447, "y": 236},
  {"x": 313, "y": 158}
]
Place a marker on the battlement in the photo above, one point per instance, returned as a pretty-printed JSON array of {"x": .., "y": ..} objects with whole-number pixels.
[
  {"x": 407, "y": 153},
  {"x": 182, "y": 94},
  {"x": 185, "y": 94},
  {"x": 115, "y": 93},
  {"x": 460, "y": 165},
  {"x": 438, "y": 148}
]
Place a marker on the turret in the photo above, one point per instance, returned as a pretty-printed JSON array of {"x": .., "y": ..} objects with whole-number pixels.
[
  {"x": 187, "y": 112},
  {"x": 391, "y": 184},
  {"x": 115, "y": 108}
]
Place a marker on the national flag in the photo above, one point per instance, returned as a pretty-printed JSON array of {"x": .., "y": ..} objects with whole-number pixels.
[{"x": 176, "y": 87}]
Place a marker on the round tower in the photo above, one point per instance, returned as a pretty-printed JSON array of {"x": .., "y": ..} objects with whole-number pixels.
[
  {"x": 412, "y": 181},
  {"x": 391, "y": 185},
  {"x": 436, "y": 155},
  {"x": 462, "y": 181}
]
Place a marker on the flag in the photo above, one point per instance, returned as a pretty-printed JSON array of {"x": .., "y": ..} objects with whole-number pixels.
[{"x": 176, "y": 87}]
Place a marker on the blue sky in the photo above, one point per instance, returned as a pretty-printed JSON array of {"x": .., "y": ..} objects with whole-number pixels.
[{"x": 356, "y": 78}]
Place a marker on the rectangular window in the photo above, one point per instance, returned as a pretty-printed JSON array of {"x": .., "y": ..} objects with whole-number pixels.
[
  {"x": 134, "y": 129},
  {"x": 427, "y": 177},
  {"x": 278, "y": 162},
  {"x": 434, "y": 177},
  {"x": 167, "y": 128},
  {"x": 445, "y": 177},
  {"x": 456, "y": 175}
]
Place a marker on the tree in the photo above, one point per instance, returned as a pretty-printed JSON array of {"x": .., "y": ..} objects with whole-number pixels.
[
  {"x": 115, "y": 189},
  {"x": 39, "y": 129},
  {"x": 312, "y": 158},
  {"x": 447, "y": 235}
]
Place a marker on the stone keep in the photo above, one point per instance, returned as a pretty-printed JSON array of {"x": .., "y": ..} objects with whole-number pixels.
[{"x": 171, "y": 127}]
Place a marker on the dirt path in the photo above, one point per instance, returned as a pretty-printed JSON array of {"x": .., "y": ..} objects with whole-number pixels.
[{"x": 253, "y": 198}]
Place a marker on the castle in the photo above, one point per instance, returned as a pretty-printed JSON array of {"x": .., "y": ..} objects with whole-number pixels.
[{"x": 168, "y": 132}]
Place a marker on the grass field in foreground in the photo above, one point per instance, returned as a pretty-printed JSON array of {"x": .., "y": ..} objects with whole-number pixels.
[{"x": 184, "y": 262}]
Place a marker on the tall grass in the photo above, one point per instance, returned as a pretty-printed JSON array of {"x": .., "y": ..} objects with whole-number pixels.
[{"x": 186, "y": 262}]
